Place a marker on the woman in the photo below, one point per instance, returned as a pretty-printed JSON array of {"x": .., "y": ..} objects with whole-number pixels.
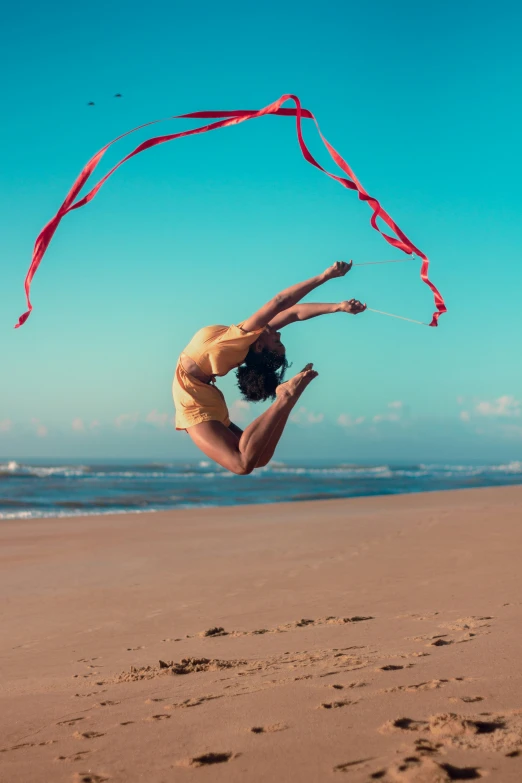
[{"x": 254, "y": 347}]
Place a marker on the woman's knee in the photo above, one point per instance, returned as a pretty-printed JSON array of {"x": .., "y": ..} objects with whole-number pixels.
[
  {"x": 221, "y": 444},
  {"x": 242, "y": 468},
  {"x": 235, "y": 463}
]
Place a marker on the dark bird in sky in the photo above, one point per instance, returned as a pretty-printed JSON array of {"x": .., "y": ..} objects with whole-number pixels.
[
  {"x": 118, "y": 95},
  {"x": 91, "y": 103}
]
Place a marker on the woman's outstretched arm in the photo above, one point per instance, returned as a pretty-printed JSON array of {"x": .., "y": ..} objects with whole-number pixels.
[
  {"x": 290, "y": 296},
  {"x": 302, "y": 312}
]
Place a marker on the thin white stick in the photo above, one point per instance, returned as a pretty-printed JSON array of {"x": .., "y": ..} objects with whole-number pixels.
[{"x": 402, "y": 318}]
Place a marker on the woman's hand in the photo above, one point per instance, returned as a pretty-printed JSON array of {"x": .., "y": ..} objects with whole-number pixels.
[
  {"x": 352, "y": 306},
  {"x": 339, "y": 269}
]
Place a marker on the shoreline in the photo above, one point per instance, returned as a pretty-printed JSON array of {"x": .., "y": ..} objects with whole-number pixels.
[{"x": 290, "y": 502}]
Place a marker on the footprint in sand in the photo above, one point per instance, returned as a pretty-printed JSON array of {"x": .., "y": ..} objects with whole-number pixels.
[
  {"x": 404, "y": 724},
  {"x": 336, "y": 704},
  {"x": 427, "y": 770},
  {"x": 161, "y": 716},
  {"x": 89, "y": 777},
  {"x": 78, "y": 756},
  {"x": 69, "y": 721},
  {"x": 426, "y": 747},
  {"x": 440, "y": 643},
  {"x": 17, "y": 747},
  {"x": 487, "y": 732},
  {"x": 217, "y": 631},
  {"x": 413, "y": 616},
  {"x": 268, "y": 729},
  {"x": 390, "y": 667},
  {"x": 429, "y": 685},
  {"x": 209, "y": 758},
  {"x": 193, "y": 702},
  {"x": 468, "y": 623},
  {"x": 87, "y": 734},
  {"x": 349, "y": 766},
  {"x": 348, "y": 685},
  {"x": 426, "y": 637},
  {"x": 28, "y": 745}
]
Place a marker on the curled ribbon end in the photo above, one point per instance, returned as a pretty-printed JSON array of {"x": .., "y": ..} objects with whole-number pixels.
[
  {"x": 436, "y": 316},
  {"x": 23, "y": 318}
]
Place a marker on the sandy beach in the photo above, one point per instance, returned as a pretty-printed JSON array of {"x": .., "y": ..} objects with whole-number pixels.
[{"x": 364, "y": 639}]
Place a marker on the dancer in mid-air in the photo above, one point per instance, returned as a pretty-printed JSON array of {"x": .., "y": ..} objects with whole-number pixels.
[{"x": 254, "y": 347}]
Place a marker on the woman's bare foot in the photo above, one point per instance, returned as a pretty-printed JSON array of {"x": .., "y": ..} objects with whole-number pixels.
[{"x": 296, "y": 385}]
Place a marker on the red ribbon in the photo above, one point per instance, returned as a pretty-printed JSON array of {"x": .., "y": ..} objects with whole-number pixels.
[{"x": 400, "y": 240}]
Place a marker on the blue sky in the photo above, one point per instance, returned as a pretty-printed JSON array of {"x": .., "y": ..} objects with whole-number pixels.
[{"x": 422, "y": 101}]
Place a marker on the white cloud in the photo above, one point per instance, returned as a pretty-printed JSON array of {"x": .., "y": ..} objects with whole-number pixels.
[
  {"x": 297, "y": 416},
  {"x": 6, "y": 425},
  {"x": 386, "y": 417},
  {"x": 78, "y": 425},
  {"x": 345, "y": 420},
  {"x": 465, "y": 416},
  {"x": 461, "y": 400},
  {"x": 394, "y": 415},
  {"x": 506, "y": 405},
  {"x": 40, "y": 429},
  {"x": 156, "y": 418},
  {"x": 304, "y": 416},
  {"x": 94, "y": 424},
  {"x": 125, "y": 420},
  {"x": 239, "y": 411}
]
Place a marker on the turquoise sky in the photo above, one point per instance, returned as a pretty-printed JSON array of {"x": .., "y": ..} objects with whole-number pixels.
[{"x": 423, "y": 100}]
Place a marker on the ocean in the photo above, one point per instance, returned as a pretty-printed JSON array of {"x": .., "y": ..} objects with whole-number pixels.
[{"x": 36, "y": 488}]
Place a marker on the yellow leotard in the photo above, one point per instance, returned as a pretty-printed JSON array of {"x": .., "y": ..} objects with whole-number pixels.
[{"x": 216, "y": 350}]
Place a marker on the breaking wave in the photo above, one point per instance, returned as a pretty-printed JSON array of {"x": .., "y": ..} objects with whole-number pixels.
[{"x": 30, "y": 489}]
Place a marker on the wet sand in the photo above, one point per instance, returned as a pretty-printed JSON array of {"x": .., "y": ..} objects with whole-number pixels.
[{"x": 359, "y": 640}]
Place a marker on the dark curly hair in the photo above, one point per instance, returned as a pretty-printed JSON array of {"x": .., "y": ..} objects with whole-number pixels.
[{"x": 260, "y": 374}]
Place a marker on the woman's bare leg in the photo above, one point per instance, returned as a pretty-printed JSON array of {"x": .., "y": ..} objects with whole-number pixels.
[
  {"x": 241, "y": 456},
  {"x": 274, "y": 439},
  {"x": 271, "y": 444},
  {"x": 270, "y": 447}
]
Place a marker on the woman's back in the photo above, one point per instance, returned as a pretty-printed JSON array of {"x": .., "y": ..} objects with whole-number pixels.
[{"x": 219, "y": 349}]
